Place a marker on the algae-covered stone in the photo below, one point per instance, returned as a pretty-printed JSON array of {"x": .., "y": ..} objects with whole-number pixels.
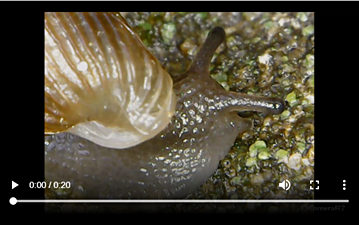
[
  {"x": 309, "y": 61},
  {"x": 236, "y": 180},
  {"x": 281, "y": 153},
  {"x": 168, "y": 31},
  {"x": 251, "y": 161},
  {"x": 292, "y": 99},
  {"x": 302, "y": 16},
  {"x": 311, "y": 81},
  {"x": 259, "y": 148},
  {"x": 257, "y": 145},
  {"x": 309, "y": 30},
  {"x": 294, "y": 161},
  {"x": 301, "y": 146},
  {"x": 145, "y": 26},
  {"x": 264, "y": 155},
  {"x": 285, "y": 114},
  {"x": 282, "y": 156}
]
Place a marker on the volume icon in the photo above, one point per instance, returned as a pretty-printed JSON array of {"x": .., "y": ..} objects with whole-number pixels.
[{"x": 285, "y": 185}]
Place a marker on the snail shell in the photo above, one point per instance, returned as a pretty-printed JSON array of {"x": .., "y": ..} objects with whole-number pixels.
[{"x": 101, "y": 83}]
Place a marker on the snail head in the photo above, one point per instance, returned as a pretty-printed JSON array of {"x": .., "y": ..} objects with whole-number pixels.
[{"x": 197, "y": 79}]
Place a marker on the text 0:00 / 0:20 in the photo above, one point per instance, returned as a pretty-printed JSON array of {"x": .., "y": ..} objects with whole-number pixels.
[{"x": 51, "y": 184}]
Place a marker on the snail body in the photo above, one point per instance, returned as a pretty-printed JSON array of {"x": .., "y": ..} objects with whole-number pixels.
[{"x": 174, "y": 162}]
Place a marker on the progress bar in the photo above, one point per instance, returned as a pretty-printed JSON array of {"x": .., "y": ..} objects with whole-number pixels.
[{"x": 13, "y": 201}]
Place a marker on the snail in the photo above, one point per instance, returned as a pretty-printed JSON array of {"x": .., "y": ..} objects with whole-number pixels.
[{"x": 193, "y": 125}]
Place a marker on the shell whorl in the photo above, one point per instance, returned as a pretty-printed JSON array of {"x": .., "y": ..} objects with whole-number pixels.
[{"x": 101, "y": 83}]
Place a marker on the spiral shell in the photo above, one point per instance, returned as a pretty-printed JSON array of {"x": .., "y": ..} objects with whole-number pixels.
[{"x": 101, "y": 83}]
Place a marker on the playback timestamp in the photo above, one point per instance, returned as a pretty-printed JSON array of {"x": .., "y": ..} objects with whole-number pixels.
[{"x": 50, "y": 184}]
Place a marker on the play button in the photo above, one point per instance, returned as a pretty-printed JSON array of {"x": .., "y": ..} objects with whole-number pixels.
[{"x": 13, "y": 185}]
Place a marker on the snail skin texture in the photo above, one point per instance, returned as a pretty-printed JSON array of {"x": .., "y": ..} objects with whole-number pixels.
[{"x": 174, "y": 162}]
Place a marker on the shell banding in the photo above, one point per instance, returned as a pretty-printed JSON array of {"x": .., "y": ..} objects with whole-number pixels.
[{"x": 101, "y": 83}]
